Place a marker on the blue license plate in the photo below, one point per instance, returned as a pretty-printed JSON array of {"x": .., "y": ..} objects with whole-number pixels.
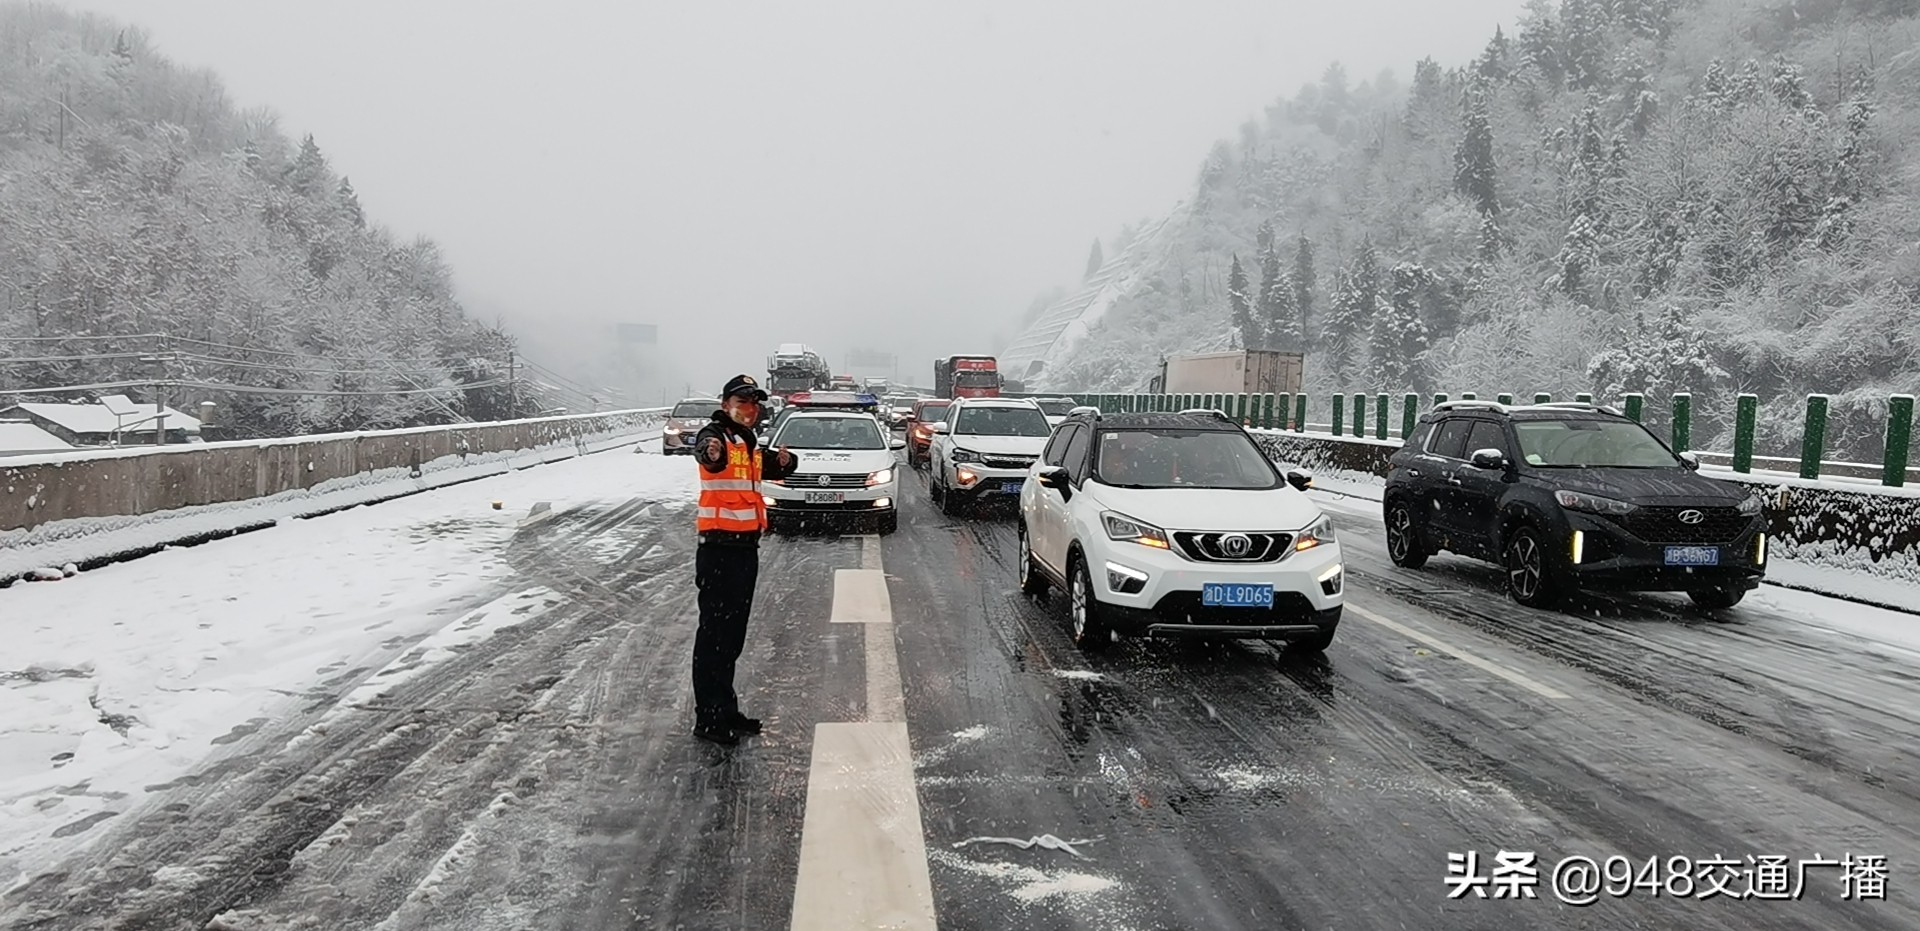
[
  {"x": 1235, "y": 595},
  {"x": 1693, "y": 556},
  {"x": 1012, "y": 488}
]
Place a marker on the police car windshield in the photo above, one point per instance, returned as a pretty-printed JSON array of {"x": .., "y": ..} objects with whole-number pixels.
[
  {"x": 695, "y": 408},
  {"x": 1002, "y": 421},
  {"x": 830, "y": 433},
  {"x": 1591, "y": 444},
  {"x": 1173, "y": 458}
]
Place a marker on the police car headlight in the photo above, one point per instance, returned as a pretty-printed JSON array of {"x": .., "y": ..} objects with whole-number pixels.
[{"x": 881, "y": 477}]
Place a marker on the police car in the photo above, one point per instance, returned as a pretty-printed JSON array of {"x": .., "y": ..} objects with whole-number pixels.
[{"x": 846, "y": 471}]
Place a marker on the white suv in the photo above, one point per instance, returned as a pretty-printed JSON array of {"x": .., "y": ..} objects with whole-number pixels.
[
  {"x": 1177, "y": 524},
  {"x": 982, "y": 451},
  {"x": 847, "y": 471}
]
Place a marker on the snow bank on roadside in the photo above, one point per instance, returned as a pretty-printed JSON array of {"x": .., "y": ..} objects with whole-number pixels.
[
  {"x": 84, "y": 539},
  {"x": 124, "y": 680}
]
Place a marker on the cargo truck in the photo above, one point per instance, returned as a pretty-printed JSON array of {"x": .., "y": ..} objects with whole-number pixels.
[
  {"x": 1252, "y": 371},
  {"x": 796, "y": 367},
  {"x": 966, "y": 377}
]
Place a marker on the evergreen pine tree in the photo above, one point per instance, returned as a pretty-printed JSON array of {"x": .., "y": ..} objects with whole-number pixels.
[
  {"x": 1399, "y": 334},
  {"x": 1241, "y": 306},
  {"x": 309, "y": 168},
  {"x": 1473, "y": 173},
  {"x": 1095, "y": 261},
  {"x": 1303, "y": 283},
  {"x": 1539, "y": 42},
  {"x": 1493, "y": 63},
  {"x": 350, "y": 205},
  {"x": 1585, "y": 41}
]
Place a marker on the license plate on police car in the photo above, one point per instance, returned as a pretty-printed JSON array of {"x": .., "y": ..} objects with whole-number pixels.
[
  {"x": 1235, "y": 595},
  {"x": 1693, "y": 556},
  {"x": 826, "y": 497}
]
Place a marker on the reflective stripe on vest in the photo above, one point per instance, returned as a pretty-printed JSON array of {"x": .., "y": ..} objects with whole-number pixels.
[{"x": 730, "y": 499}]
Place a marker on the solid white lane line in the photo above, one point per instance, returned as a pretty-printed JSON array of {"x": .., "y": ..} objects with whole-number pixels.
[
  {"x": 863, "y": 856},
  {"x": 863, "y": 859},
  {"x": 860, "y": 597},
  {"x": 1532, "y": 685}
]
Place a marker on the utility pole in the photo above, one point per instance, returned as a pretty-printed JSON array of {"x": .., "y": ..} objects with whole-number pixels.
[{"x": 513, "y": 388}]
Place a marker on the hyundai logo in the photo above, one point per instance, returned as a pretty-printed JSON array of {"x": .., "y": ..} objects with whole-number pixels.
[
  {"x": 1691, "y": 516},
  {"x": 1235, "y": 544}
]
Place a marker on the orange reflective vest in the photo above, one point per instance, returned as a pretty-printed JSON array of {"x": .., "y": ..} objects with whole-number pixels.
[{"x": 730, "y": 498}]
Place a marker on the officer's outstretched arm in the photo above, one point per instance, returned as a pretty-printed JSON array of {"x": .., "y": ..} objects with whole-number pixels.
[
  {"x": 710, "y": 449},
  {"x": 771, "y": 468}
]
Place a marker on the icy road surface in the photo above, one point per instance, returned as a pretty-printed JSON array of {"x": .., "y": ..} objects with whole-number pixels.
[{"x": 424, "y": 715}]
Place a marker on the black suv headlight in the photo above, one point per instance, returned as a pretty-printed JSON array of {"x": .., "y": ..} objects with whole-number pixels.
[
  {"x": 1593, "y": 504},
  {"x": 965, "y": 455},
  {"x": 1127, "y": 530}
]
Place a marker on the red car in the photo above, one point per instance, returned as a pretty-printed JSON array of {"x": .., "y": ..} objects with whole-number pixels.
[{"x": 926, "y": 413}]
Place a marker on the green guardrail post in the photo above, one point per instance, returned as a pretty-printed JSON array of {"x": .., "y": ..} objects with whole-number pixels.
[
  {"x": 1283, "y": 417},
  {"x": 1899, "y": 435},
  {"x": 1745, "y": 413},
  {"x": 1542, "y": 398},
  {"x": 1469, "y": 396},
  {"x": 1505, "y": 398},
  {"x": 1584, "y": 398},
  {"x": 1300, "y": 412},
  {"x": 1339, "y": 405},
  {"x": 1359, "y": 414},
  {"x": 1635, "y": 401},
  {"x": 1409, "y": 414},
  {"x": 1813, "y": 441},
  {"x": 1268, "y": 410},
  {"x": 1240, "y": 408},
  {"x": 1439, "y": 399},
  {"x": 1682, "y": 422},
  {"x": 1380, "y": 417}
]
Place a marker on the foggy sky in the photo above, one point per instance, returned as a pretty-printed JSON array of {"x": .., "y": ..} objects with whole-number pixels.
[{"x": 903, "y": 176}]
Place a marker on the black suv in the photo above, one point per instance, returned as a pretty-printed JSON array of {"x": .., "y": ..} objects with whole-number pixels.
[{"x": 1567, "y": 497}]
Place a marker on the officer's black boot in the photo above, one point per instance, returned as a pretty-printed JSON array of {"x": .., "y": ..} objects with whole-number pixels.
[{"x": 740, "y": 723}]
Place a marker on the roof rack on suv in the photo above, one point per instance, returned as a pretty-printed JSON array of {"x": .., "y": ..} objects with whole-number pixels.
[
  {"x": 1084, "y": 409},
  {"x": 1576, "y": 406},
  {"x": 1215, "y": 413},
  {"x": 1471, "y": 405}
]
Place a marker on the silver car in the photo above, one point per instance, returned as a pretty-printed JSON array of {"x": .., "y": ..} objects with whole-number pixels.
[{"x": 683, "y": 422}]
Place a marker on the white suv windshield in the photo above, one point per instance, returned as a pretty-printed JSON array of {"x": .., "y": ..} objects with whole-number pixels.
[
  {"x": 1614, "y": 444},
  {"x": 830, "y": 433},
  {"x": 1172, "y": 458},
  {"x": 1002, "y": 421}
]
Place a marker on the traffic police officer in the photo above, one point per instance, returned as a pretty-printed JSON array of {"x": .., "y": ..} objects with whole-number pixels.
[{"x": 730, "y": 519}]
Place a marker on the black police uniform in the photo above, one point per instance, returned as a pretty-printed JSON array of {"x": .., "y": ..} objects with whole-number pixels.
[{"x": 726, "y": 566}]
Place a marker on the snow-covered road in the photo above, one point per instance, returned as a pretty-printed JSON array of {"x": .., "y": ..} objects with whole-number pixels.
[{"x": 119, "y": 681}]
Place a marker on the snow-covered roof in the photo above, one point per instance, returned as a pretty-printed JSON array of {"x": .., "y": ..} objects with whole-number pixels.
[
  {"x": 114, "y": 412},
  {"x": 21, "y": 437}
]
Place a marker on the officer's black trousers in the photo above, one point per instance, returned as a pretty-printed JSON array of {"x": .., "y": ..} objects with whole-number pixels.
[{"x": 725, "y": 575}]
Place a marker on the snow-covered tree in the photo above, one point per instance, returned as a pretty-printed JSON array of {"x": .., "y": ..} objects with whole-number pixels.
[
  {"x": 1657, "y": 358},
  {"x": 1240, "y": 306},
  {"x": 1400, "y": 339},
  {"x": 1473, "y": 172}
]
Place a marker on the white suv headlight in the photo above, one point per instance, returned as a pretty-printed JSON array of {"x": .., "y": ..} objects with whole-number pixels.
[
  {"x": 1127, "y": 530},
  {"x": 1317, "y": 534}
]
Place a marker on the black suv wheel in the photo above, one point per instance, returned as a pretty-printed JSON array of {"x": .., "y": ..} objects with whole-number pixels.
[
  {"x": 1406, "y": 543},
  {"x": 1532, "y": 578}
]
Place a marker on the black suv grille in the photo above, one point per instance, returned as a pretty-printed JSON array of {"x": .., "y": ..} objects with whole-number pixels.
[
  {"x": 1212, "y": 547},
  {"x": 1663, "y": 524},
  {"x": 802, "y": 482},
  {"x": 1007, "y": 462}
]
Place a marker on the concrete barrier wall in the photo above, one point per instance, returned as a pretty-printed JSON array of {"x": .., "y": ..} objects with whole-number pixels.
[
  {"x": 1870, "y": 529},
  {"x": 134, "y": 481}
]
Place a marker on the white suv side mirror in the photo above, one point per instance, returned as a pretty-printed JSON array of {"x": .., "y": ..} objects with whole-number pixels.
[{"x": 940, "y": 427}]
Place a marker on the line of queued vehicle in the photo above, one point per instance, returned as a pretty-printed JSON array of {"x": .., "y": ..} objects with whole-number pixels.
[{"x": 1178, "y": 524}]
